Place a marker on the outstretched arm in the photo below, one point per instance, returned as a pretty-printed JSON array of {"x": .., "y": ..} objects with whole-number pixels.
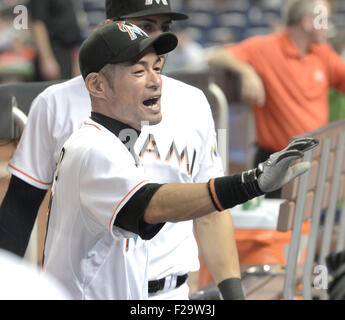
[{"x": 180, "y": 202}]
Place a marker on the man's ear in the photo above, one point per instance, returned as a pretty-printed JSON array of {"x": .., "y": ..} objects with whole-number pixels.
[{"x": 95, "y": 84}]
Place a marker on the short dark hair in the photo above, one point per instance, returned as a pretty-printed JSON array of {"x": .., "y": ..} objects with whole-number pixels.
[{"x": 108, "y": 72}]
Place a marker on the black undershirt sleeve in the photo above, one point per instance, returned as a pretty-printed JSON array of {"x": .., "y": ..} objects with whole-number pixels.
[
  {"x": 18, "y": 213},
  {"x": 131, "y": 216}
]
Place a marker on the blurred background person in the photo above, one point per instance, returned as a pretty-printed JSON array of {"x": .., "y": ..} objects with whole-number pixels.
[
  {"x": 56, "y": 34},
  {"x": 286, "y": 76},
  {"x": 16, "y": 47}
]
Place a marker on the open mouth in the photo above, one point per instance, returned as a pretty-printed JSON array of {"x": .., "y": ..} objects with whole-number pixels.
[{"x": 152, "y": 103}]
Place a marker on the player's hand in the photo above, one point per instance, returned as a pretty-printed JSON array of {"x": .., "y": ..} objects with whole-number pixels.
[
  {"x": 275, "y": 172},
  {"x": 252, "y": 87}
]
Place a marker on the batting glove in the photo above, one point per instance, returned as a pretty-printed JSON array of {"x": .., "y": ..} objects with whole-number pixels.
[
  {"x": 229, "y": 191},
  {"x": 276, "y": 171}
]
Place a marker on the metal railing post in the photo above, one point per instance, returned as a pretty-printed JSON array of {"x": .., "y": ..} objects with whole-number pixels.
[{"x": 221, "y": 123}]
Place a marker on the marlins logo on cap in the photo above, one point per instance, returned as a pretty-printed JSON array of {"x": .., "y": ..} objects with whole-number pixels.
[{"x": 131, "y": 29}]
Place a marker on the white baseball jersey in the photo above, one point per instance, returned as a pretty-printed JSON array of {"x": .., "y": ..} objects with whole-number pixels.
[
  {"x": 179, "y": 149},
  {"x": 54, "y": 115},
  {"x": 96, "y": 176}
]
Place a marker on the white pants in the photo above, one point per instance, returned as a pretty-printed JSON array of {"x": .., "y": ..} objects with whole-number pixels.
[{"x": 180, "y": 293}]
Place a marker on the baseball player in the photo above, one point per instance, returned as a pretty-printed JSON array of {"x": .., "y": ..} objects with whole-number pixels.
[
  {"x": 103, "y": 197},
  {"x": 60, "y": 110},
  {"x": 163, "y": 148}
]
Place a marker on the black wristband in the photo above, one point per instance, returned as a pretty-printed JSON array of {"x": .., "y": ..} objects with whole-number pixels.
[
  {"x": 213, "y": 195},
  {"x": 231, "y": 289},
  {"x": 229, "y": 191},
  {"x": 250, "y": 182}
]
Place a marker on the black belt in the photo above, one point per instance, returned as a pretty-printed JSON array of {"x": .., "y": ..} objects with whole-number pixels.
[{"x": 156, "y": 285}]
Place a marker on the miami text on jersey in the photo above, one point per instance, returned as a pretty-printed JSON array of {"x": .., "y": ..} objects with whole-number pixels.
[{"x": 150, "y": 146}]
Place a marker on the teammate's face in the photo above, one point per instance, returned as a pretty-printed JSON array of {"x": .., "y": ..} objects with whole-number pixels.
[
  {"x": 135, "y": 94},
  {"x": 153, "y": 25}
]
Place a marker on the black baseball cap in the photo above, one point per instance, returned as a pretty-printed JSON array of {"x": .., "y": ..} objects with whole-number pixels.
[
  {"x": 122, "y": 9},
  {"x": 118, "y": 42}
]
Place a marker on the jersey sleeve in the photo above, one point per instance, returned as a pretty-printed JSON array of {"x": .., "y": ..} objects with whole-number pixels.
[
  {"x": 210, "y": 163},
  {"x": 33, "y": 160},
  {"x": 106, "y": 186}
]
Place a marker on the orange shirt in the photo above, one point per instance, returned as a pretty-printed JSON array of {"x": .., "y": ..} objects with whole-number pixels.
[{"x": 296, "y": 88}]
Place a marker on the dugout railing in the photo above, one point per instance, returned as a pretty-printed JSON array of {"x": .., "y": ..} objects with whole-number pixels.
[
  {"x": 316, "y": 199},
  {"x": 313, "y": 202}
]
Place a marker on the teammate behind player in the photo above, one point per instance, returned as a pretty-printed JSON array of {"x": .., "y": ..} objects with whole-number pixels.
[
  {"x": 102, "y": 197},
  {"x": 61, "y": 109}
]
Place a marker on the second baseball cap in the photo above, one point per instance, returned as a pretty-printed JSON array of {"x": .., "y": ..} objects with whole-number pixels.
[
  {"x": 122, "y": 9},
  {"x": 118, "y": 42}
]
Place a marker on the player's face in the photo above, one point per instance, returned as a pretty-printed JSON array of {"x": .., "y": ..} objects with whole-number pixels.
[{"x": 136, "y": 93}]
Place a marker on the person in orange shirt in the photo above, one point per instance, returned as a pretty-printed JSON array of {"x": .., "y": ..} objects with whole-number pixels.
[{"x": 286, "y": 75}]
